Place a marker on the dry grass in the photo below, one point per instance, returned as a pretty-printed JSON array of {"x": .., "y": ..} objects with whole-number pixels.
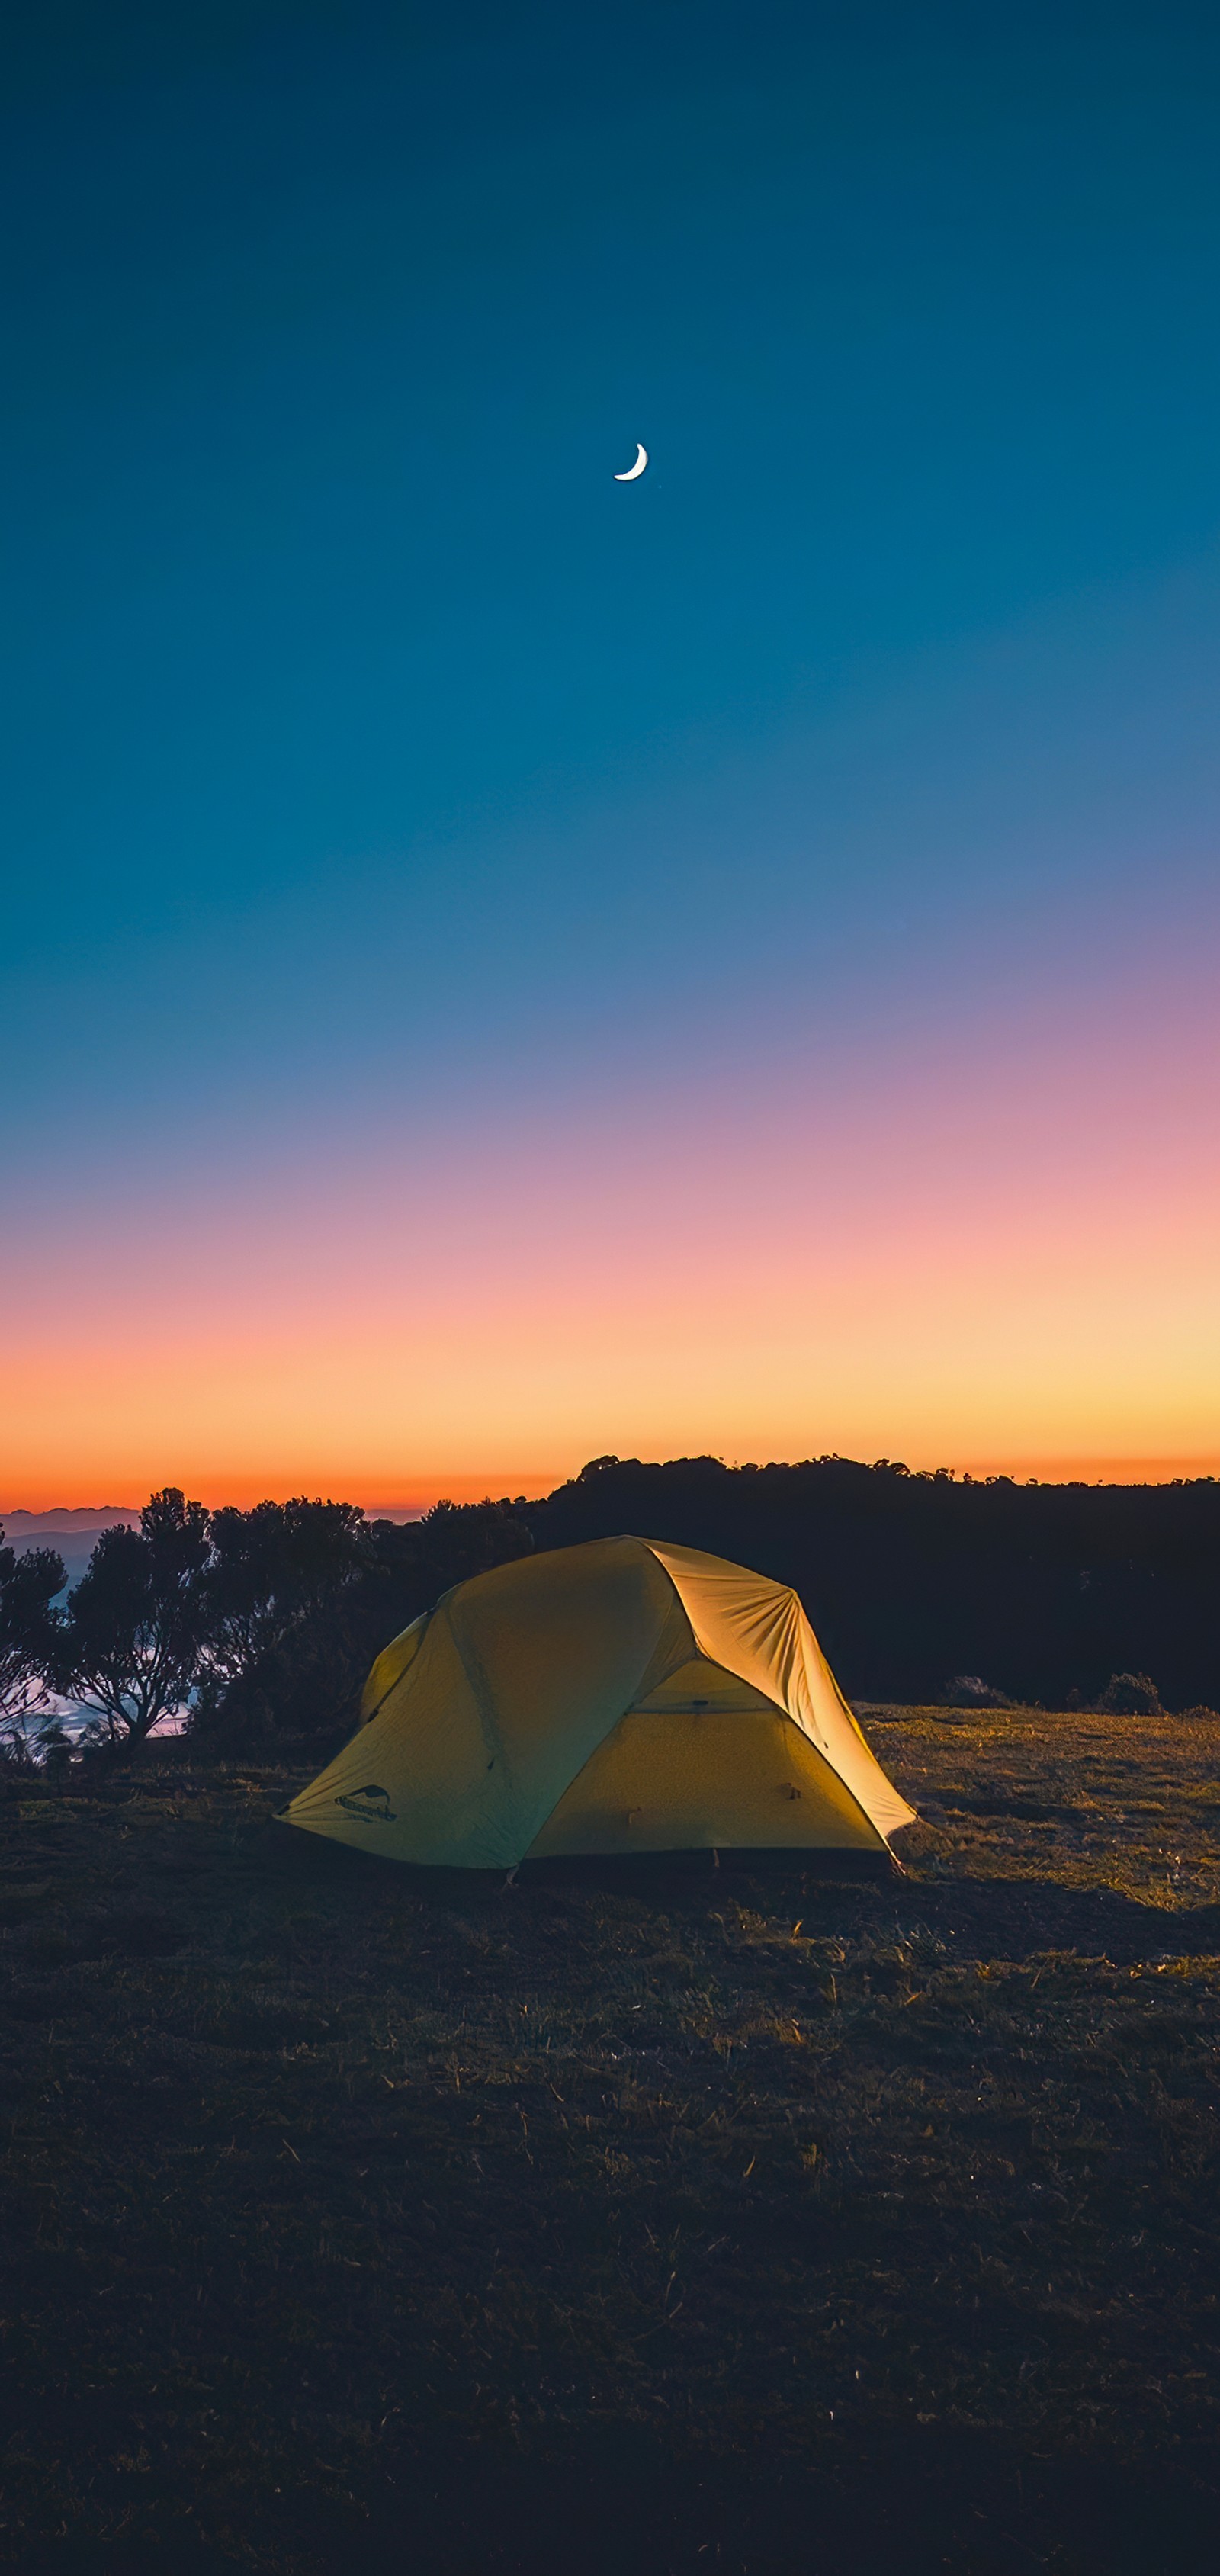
[{"x": 347, "y": 2215}]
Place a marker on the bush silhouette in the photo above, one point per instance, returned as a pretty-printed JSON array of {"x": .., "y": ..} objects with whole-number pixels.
[{"x": 1130, "y": 1695}]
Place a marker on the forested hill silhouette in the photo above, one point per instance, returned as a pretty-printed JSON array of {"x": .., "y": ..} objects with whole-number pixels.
[{"x": 1044, "y": 1590}]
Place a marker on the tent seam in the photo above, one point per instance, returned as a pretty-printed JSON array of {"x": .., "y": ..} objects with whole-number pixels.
[
  {"x": 789, "y": 1594},
  {"x": 429, "y": 1616},
  {"x": 845, "y": 1785}
]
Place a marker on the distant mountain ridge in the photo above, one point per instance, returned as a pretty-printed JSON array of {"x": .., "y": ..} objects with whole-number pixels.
[
  {"x": 73, "y": 1534},
  {"x": 21, "y": 1524}
]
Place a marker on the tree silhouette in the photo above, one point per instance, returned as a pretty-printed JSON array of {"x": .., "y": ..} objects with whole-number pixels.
[
  {"x": 304, "y": 1595},
  {"x": 272, "y": 1566},
  {"x": 28, "y": 1585},
  {"x": 128, "y": 1644}
]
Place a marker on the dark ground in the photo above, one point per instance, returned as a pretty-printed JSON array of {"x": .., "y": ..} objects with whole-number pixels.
[{"x": 746, "y": 2221}]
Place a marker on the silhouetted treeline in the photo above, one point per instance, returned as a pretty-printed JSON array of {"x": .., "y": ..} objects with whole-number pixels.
[
  {"x": 261, "y": 1625},
  {"x": 1044, "y": 1590},
  {"x": 256, "y": 1626}
]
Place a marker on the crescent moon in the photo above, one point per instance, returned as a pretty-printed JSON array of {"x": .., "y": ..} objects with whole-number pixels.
[{"x": 633, "y": 472}]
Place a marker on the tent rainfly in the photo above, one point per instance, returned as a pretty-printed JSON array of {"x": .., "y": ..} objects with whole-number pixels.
[{"x": 623, "y": 1696}]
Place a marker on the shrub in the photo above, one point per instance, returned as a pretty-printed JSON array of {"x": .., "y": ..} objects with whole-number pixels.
[
  {"x": 968, "y": 1690},
  {"x": 1130, "y": 1695}
]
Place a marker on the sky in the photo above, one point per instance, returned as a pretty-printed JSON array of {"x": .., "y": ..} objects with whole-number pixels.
[{"x": 499, "y": 965}]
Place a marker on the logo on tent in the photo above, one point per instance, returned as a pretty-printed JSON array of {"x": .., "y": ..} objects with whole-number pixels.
[{"x": 372, "y": 1803}]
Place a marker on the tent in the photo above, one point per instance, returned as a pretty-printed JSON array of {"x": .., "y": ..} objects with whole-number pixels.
[{"x": 623, "y": 1696}]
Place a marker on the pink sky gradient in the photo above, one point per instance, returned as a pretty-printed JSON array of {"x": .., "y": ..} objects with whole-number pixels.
[{"x": 994, "y": 1256}]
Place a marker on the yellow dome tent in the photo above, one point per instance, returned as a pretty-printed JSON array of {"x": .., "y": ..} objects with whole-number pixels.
[{"x": 623, "y": 1696}]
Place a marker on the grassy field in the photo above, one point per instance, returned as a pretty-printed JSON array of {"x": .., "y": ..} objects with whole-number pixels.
[{"x": 716, "y": 2220}]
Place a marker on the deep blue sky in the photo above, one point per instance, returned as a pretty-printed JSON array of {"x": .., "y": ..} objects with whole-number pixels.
[
  {"x": 325, "y": 336},
  {"x": 370, "y": 754}
]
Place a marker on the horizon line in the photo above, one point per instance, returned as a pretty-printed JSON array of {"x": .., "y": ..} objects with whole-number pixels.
[{"x": 418, "y": 1495}]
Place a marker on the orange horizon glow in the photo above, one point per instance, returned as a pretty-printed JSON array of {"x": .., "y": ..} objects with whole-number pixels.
[
  {"x": 420, "y": 1493},
  {"x": 999, "y": 1265}
]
